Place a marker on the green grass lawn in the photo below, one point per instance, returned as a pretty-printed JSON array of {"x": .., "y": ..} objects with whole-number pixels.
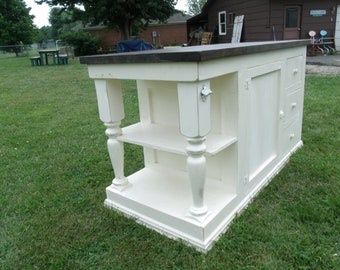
[{"x": 54, "y": 168}]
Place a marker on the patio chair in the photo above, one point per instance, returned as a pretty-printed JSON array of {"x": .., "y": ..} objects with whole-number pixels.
[
  {"x": 323, "y": 39},
  {"x": 315, "y": 41},
  {"x": 206, "y": 38}
]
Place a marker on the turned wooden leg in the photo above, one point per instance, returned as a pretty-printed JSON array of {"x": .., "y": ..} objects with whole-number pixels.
[
  {"x": 194, "y": 110},
  {"x": 111, "y": 112},
  {"x": 116, "y": 152},
  {"x": 196, "y": 164}
]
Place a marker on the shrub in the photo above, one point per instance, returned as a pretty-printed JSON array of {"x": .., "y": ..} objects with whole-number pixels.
[{"x": 83, "y": 42}]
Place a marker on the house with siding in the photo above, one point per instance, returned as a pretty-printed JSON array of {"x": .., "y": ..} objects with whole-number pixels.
[
  {"x": 173, "y": 31},
  {"x": 266, "y": 20}
]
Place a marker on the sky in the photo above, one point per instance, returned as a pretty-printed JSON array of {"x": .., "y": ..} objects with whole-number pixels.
[{"x": 41, "y": 12}]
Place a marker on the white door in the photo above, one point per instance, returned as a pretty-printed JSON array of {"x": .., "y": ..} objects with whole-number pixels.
[{"x": 337, "y": 30}]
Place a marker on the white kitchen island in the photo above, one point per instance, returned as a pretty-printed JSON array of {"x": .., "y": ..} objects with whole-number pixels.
[{"x": 217, "y": 123}]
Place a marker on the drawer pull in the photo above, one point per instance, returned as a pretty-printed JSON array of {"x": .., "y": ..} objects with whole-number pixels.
[
  {"x": 282, "y": 115},
  {"x": 291, "y": 136},
  {"x": 295, "y": 71},
  {"x": 293, "y": 105}
]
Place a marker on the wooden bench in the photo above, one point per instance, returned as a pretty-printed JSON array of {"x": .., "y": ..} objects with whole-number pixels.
[
  {"x": 35, "y": 61},
  {"x": 63, "y": 59}
]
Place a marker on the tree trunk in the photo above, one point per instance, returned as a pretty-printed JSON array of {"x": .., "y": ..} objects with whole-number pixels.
[
  {"x": 125, "y": 30},
  {"x": 17, "y": 50}
]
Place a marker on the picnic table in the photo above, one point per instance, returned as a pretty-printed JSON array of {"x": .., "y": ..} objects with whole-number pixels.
[{"x": 55, "y": 55}]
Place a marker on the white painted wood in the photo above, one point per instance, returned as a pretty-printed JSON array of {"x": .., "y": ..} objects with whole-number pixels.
[
  {"x": 168, "y": 138},
  {"x": 194, "y": 112},
  {"x": 196, "y": 164},
  {"x": 194, "y": 118},
  {"x": 116, "y": 152},
  {"x": 156, "y": 97},
  {"x": 174, "y": 72},
  {"x": 111, "y": 111},
  {"x": 110, "y": 100},
  {"x": 206, "y": 157},
  {"x": 337, "y": 30},
  {"x": 237, "y": 29},
  {"x": 150, "y": 199},
  {"x": 263, "y": 119}
]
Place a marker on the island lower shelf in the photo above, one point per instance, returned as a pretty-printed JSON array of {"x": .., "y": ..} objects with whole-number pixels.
[{"x": 149, "y": 198}]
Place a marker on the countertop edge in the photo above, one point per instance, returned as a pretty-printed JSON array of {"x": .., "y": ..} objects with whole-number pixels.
[{"x": 192, "y": 54}]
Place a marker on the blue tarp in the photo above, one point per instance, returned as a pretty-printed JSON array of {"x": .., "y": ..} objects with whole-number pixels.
[{"x": 133, "y": 45}]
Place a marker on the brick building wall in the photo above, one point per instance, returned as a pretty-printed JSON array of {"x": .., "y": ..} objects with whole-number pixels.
[
  {"x": 171, "y": 33},
  {"x": 167, "y": 34},
  {"x": 108, "y": 38}
]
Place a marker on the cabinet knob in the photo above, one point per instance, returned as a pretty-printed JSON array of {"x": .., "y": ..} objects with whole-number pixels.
[
  {"x": 282, "y": 115},
  {"x": 205, "y": 92}
]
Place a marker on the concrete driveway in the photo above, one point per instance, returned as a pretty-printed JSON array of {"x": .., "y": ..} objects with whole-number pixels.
[
  {"x": 323, "y": 64},
  {"x": 328, "y": 60}
]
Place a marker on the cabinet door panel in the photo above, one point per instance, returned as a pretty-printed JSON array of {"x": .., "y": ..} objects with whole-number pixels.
[{"x": 263, "y": 112}]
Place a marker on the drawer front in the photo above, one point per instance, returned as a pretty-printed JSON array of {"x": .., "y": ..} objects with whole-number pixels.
[
  {"x": 291, "y": 135},
  {"x": 294, "y": 72},
  {"x": 294, "y": 105}
]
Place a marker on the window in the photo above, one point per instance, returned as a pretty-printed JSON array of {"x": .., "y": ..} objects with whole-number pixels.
[
  {"x": 231, "y": 18},
  {"x": 222, "y": 23},
  {"x": 292, "y": 17}
]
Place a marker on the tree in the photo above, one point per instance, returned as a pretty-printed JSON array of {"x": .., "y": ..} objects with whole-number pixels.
[
  {"x": 126, "y": 15},
  {"x": 16, "y": 24},
  {"x": 195, "y": 6},
  {"x": 61, "y": 22},
  {"x": 44, "y": 34}
]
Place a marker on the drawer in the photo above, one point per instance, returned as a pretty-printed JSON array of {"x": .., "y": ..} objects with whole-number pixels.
[
  {"x": 291, "y": 135},
  {"x": 293, "y": 105},
  {"x": 294, "y": 72}
]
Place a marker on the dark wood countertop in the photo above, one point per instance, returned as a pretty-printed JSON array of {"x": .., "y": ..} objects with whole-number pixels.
[{"x": 193, "y": 53}]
